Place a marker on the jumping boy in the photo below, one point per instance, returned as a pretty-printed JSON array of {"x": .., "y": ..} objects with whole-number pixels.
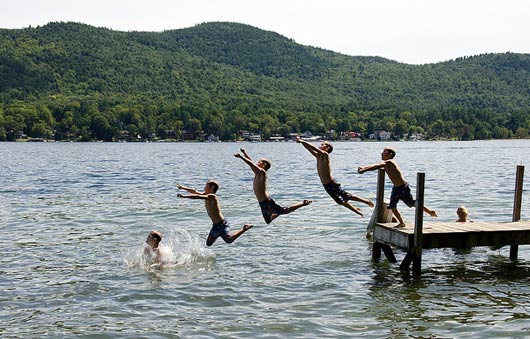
[
  {"x": 401, "y": 190},
  {"x": 220, "y": 227},
  {"x": 333, "y": 188},
  {"x": 269, "y": 208}
]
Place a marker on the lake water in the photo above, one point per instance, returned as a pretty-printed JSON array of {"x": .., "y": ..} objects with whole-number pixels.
[{"x": 74, "y": 218}]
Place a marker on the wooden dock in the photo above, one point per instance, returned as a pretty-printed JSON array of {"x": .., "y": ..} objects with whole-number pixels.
[{"x": 414, "y": 239}]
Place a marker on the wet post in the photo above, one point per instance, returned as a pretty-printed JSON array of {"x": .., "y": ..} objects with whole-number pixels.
[
  {"x": 517, "y": 203},
  {"x": 418, "y": 224},
  {"x": 379, "y": 210}
]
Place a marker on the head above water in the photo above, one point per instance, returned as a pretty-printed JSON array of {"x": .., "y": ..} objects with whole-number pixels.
[
  {"x": 154, "y": 238},
  {"x": 266, "y": 163},
  {"x": 390, "y": 151},
  {"x": 212, "y": 185},
  {"x": 326, "y": 146}
]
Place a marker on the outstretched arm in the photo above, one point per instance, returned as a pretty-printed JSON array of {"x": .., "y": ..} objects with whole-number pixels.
[
  {"x": 249, "y": 162},
  {"x": 245, "y": 153},
  {"x": 189, "y": 189},
  {"x": 372, "y": 167},
  {"x": 312, "y": 149},
  {"x": 194, "y": 196}
]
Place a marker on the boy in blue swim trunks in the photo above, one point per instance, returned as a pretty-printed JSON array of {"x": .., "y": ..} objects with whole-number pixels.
[
  {"x": 333, "y": 188},
  {"x": 401, "y": 190},
  {"x": 269, "y": 208},
  {"x": 220, "y": 227}
]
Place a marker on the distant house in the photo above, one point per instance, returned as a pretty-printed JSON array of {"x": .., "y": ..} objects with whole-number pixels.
[
  {"x": 276, "y": 138},
  {"x": 254, "y": 137},
  {"x": 380, "y": 135}
]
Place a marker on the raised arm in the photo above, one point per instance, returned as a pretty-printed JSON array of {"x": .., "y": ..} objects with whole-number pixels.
[
  {"x": 372, "y": 167},
  {"x": 312, "y": 149},
  {"x": 189, "y": 189},
  {"x": 245, "y": 153},
  {"x": 249, "y": 162}
]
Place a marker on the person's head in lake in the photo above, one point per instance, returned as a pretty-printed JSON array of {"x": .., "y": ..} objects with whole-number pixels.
[
  {"x": 153, "y": 239},
  {"x": 326, "y": 146},
  {"x": 462, "y": 214},
  {"x": 388, "y": 153},
  {"x": 264, "y": 163},
  {"x": 211, "y": 187}
]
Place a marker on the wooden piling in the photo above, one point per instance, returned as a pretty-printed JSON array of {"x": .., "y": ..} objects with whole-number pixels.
[
  {"x": 418, "y": 223},
  {"x": 517, "y": 203}
]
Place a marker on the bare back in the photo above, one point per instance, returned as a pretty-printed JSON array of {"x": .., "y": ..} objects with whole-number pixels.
[
  {"x": 212, "y": 208},
  {"x": 324, "y": 168},
  {"x": 394, "y": 173}
]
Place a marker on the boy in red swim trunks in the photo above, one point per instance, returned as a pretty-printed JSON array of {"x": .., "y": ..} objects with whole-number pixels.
[
  {"x": 401, "y": 190},
  {"x": 333, "y": 188},
  {"x": 269, "y": 208},
  {"x": 220, "y": 227}
]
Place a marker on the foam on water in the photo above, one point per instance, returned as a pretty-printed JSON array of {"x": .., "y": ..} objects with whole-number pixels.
[{"x": 177, "y": 248}]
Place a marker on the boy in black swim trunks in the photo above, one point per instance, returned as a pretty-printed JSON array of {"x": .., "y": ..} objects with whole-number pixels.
[
  {"x": 269, "y": 208},
  {"x": 333, "y": 188},
  {"x": 401, "y": 190},
  {"x": 220, "y": 227}
]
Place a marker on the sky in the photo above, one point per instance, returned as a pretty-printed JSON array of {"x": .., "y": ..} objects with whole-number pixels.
[{"x": 408, "y": 31}]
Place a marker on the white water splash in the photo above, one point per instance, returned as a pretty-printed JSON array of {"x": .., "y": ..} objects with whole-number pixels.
[{"x": 177, "y": 248}]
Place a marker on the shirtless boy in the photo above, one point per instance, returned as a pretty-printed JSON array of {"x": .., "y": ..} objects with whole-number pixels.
[
  {"x": 333, "y": 188},
  {"x": 401, "y": 190},
  {"x": 269, "y": 208},
  {"x": 220, "y": 227},
  {"x": 152, "y": 252}
]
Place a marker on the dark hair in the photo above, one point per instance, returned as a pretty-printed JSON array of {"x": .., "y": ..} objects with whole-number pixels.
[
  {"x": 266, "y": 162},
  {"x": 214, "y": 185},
  {"x": 391, "y": 151},
  {"x": 329, "y": 145},
  {"x": 156, "y": 235}
]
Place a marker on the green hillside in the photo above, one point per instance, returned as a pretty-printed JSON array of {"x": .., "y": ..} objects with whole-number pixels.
[{"x": 71, "y": 81}]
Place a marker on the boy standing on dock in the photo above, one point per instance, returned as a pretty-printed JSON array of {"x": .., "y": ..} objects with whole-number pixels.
[
  {"x": 333, "y": 188},
  {"x": 220, "y": 227},
  {"x": 401, "y": 190},
  {"x": 269, "y": 208}
]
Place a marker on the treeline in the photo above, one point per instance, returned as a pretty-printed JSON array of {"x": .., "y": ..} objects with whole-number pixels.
[{"x": 68, "y": 81}]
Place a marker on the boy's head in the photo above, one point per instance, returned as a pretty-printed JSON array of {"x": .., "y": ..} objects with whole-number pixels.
[
  {"x": 326, "y": 147},
  {"x": 264, "y": 163},
  {"x": 154, "y": 238},
  {"x": 389, "y": 152},
  {"x": 212, "y": 186},
  {"x": 461, "y": 212}
]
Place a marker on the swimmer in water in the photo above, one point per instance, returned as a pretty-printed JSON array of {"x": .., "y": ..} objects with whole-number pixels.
[{"x": 152, "y": 253}]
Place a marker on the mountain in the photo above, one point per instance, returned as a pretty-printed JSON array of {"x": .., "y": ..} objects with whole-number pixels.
[{"x": 70, "y": 80}]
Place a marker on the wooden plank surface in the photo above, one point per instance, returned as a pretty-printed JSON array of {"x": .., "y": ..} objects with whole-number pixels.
[{"x": 452, "y": 234}]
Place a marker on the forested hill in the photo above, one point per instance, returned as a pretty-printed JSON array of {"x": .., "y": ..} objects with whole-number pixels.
[{"x": 70, "y": 80}]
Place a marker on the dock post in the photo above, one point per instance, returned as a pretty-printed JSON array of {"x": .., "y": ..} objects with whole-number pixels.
[
  {"x": 517, "y": 203},
  {"x": 379, "y": 210},
  {"x": 418, "y": 224}
]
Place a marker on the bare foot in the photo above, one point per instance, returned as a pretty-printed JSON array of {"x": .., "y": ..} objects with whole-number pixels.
[
  {"x": 370, "y": 203},
  {"x": 306, "y": 202},
  {"x": 247, "y": 227},
  {"x": 400, "y": 225},
  {"x": 433, "y": 214}
]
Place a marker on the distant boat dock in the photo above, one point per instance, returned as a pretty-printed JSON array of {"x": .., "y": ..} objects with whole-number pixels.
[{"x": 430, "y": 235}]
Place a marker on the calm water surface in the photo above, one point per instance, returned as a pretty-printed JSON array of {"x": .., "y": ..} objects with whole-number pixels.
[{"x": 73, "y": 219}]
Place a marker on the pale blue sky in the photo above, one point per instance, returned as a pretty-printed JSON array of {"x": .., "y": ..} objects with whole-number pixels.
[{"x": 410, "y": 31}]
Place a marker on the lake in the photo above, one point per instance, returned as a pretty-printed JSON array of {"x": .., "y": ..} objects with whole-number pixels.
[{"x": 74, "y": 218}]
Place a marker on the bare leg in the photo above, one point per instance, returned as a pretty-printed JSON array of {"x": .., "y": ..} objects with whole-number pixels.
[
  {"x": 232, "y": 237},
  {"x": 363, "y": 200},
  {"x": 432, "y": 213},
  {"x": 398, "y": 217},
  {"x": 292, "y": 208},
  {"x": 353, "y": 208}
]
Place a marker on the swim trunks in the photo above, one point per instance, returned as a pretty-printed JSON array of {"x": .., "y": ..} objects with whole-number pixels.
[
  {"x": 337, "y": 193},
  {"x": 270, "y": 207},
  {"x": 401, "y": 193},
  {"x": 221, "y": 229}
]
